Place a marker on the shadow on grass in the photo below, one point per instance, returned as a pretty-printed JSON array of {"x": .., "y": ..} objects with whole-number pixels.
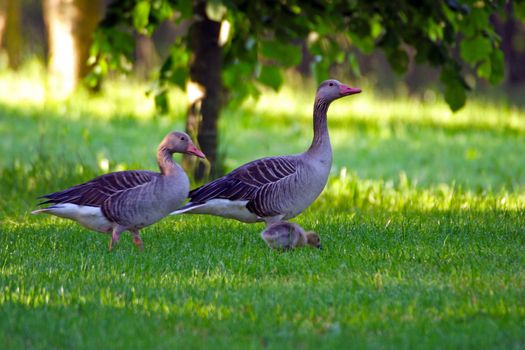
[
  {"x": 440, "y": 278},
  {"x": 47, "y": 150}
]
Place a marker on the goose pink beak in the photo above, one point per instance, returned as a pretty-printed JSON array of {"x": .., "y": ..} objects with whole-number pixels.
[
  {"x": 346, "y": 90},
  {"x": 191, "y": 149}
]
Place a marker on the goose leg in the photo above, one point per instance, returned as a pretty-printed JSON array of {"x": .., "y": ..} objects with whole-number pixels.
[
  {"x": 137, "y": 240},
  {"x": 115, "y": 236},
  {"x": 273, "y": 219}
]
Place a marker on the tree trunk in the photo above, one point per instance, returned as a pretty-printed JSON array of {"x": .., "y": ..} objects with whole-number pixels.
[
  {"x": 513, "y": 48},
  {"x": 204, "y": 90},
  {"x": 146, "y": 57},
  {"x": 70, "y": 25},
  {"x": 12, "y": 32},
  {"x": 3, "y": 5},
  {"x": 511, "y": 32}
]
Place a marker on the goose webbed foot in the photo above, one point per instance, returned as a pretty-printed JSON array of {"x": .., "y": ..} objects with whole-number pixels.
[
  {"x": 115, "y": 236},
  {"x": 137, "y": 240}
]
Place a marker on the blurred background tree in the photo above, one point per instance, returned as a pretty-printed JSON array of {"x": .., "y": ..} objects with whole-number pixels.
[
  {"x": 11, "y": 32},
  {"x": 70, "y": 26},
  {"x": 233, "y": 45},
  {"x": 221, "y": 52}
]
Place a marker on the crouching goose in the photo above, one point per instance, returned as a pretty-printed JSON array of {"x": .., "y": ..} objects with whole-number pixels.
[
  {"x": 275, "y": 188},
  {"x": 127, "y": 200},
  {"x": 288, "y": 235}
]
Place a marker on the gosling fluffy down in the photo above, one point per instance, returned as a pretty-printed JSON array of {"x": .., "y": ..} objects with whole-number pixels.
[{"x": 288, "y": 235}]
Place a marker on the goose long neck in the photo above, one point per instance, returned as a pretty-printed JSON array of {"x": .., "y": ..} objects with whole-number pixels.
[
  {"x": 165, "y": 160},
  {"x": 321, "y": 137}
]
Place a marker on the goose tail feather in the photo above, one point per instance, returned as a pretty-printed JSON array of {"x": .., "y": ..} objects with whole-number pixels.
[
  {"x": 38, "y": 211},
  {"x": 43, "y": 210},
  {"x": 187, "y": 208}
]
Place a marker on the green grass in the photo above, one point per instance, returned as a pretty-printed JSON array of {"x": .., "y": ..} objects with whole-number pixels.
[{"x": 422, "y": 222}]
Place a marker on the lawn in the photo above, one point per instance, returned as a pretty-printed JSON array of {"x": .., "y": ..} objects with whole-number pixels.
[{"x": 422, "y": 223}]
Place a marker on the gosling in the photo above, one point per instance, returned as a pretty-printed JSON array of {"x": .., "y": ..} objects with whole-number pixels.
[{"x": 288, "y": 235}]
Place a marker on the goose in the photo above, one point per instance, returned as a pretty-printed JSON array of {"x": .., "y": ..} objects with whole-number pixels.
[
  {"x": 288, "y": 235},
  {"x": 275, "y": 188},
  {"x": 127, "y": 200}
]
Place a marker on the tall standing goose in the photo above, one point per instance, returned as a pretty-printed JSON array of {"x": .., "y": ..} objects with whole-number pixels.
[
  {"x": 127, "y": 200},
  {"x": 275, "y": 188}
]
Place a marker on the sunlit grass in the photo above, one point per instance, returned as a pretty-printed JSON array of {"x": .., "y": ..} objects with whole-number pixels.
[
  {"x": 129, "y": 99},
  {"x": 347, "y": 190},
  {"x": 422, "y": 223}
]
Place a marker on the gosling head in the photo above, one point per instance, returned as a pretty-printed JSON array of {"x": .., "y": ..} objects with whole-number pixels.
[
  {"x": 332, "y": 89},
  {"x": 313, "y": 239},
  {"x": 180, "y": 142}
]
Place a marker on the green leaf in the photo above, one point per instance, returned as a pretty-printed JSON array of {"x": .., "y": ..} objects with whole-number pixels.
[
  {"x": 455, "y": 96},
  {"x": 320, "y": 69},
  {"x": 215, "y": 10},
  {"x": 162, "y": 10},
  {"x": 339, "y": 57},
  {"x": 476, "y": 21},
  {"x": 455, "y": 87},
  {"x": 498, "y": 66},
  {"x": 102, "y": 67},
  {"x": 484, "y": 69},
  {"x": 390, "y": 41},
  {"x": 284, "y": 53},
  {"x": 180, "y": 55},
  {"x": 475, "y": 49},
  {"x": 263, "y": 32},
  {"x": 366, "y": 44},
  {"x": 234, "y": 73},
  {"x": 92, "y": 79},
  {"x": 436, "y": 54},
  {"x": 141, "y": 15},
  {"x": 179, "y": 77},
  {"x": 161, "y": 101},
  {"x": 449, "y": 75},
  {"x": 519, "y": 9},
  {"x": 398, "y": 59},
  {"x": 354, "y": 65},
  {"x": 185, "y": 8},
  {"x": 435, "y": 30},
  {"x": 271, "y": 76}
]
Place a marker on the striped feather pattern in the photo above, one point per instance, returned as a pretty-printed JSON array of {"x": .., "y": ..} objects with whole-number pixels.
[
  {"x": 124, "y": 206},
  {"x": 95, "y": 192},
  {"x": 276, "y": 188},
  {"x": 260, "y": 182}
]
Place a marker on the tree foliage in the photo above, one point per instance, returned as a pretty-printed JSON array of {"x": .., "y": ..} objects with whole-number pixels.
[{"x": 456, "y": 37}]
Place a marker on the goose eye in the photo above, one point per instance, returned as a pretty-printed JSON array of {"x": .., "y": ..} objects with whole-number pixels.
[{"x": 331, "y": 84}]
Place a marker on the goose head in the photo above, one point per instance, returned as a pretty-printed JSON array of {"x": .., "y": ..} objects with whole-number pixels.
[
  {"x": 330, "y": 90},
  {"x": 313, "y": 239},
  {"x": 180, "y": 142}
]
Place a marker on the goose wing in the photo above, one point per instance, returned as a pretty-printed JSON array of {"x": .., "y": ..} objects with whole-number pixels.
[
  {"x": 95, "y": 192},
  {"x": 257, "y": 182}
]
